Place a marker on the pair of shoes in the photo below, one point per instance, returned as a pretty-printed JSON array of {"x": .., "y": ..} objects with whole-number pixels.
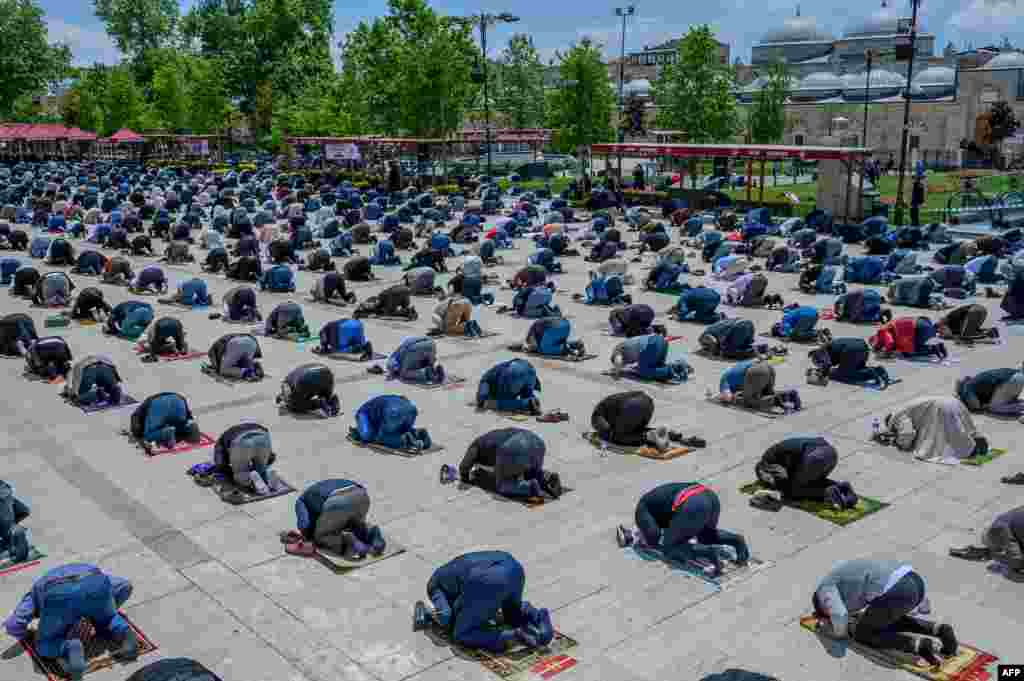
[
  {"x": 552, "y": 484},
  {"x": 290, "y": 536},
  {"x": 301, "y": 548},
  {"x": 555, "y": 416},
  {"x": 971, "y": 553},
  {"x": 1015, "y": 479},
  {"x": 624, "y": 536},
  {"x": 694, "y": 442},
  {"x": 448, "y": 474},
  {"x": 376, "y": 369},
  {"x": 766, "y": 500}
]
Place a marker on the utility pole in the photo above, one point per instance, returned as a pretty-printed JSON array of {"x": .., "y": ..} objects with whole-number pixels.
[
  {"x": 868, "y": 57},
  {"x": 623, "y": 12},
  {"x": 906, "y": 112}
]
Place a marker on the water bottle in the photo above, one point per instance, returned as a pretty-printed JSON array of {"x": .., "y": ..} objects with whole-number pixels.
[{"x": 876, "y": 427}]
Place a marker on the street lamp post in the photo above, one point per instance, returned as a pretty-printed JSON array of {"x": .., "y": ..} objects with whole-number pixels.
[
  {"x": 906, "y": 111},
  {"x": 868, "y": 57},
  {"x": 623, "y": 12},
  {"x": 483, "y": 20}
]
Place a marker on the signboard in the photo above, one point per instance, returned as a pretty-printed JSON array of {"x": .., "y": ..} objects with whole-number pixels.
[
  {"x": 199, "y": 147},
  {"x": 341, "y": 152}
]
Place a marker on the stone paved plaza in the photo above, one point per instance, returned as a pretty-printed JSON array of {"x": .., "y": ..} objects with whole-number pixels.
[{"x": 212, "y": 581}]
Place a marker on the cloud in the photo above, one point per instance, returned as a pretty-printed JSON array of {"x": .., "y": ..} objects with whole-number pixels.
[
  {"x": 88, "y": 44},
  {"x": 988, "y": 15}
]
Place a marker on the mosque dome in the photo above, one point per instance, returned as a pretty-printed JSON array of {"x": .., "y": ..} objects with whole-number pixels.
[
  {"x": 797, "y": 29},
  {"x": 640, "y": 87},
  {"x": 1006, "y": 60},
  {"x": 935, "y": 76},
  {"x": 884, "y": 21},
  {"x": 822, "y": 80}
]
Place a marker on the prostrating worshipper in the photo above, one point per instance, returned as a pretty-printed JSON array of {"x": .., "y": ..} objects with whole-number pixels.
[
  {"x": 469, "y": 592},
  {"x": 309, "y": 388},
  {"x": 244, "y": 455},
  {"x": 129, "y": 319},
  {"x": 604, "y": 291},
  {"x": 1012, "y": 303},
  {"x": 625, "y": 418},
  {"x": 394, "y": 301},
  {"x": 861, "y": 306},
  {"x": 454, "y": 317},
  {"x": 278, "y": 279},
  {"x": 165, "y": 336},
  {"x": 345, "y": 336},
  {"x": 192, "y": 293},
  {"x": 510, "y": 386},
  {"x": 415, "y": 361},
  {"x": 331, "y": 515},
  {"x": 510, "y": 462},
  {"x": 799, "y": 323},
  {"x": 94, "y": 380},
  {"x": 90, "y": 305},
  {"x": 909, "y": 336},
  {"x": 25, "y": 280},
  {"x": 53, "y": 290},
  {"x": 421, "y": 281},
  {"x": 879, "y": 603},
  {"x": 240, "y": 305},
  {"x": 647, "y": 356},
  {"x": 729, "y": 338},
  {"x": 529, "y": 276},
  {"x": 535, "y": 302},
  {"x": 632, "y": 320},
  {"x": 798, "y": 468},
  {"x": 913, "y": 291},
  {"x": 752, "y": 385},
  {"x": 90, "y": 263},
  {"x": 61, "y": 599},
  {"x": 965, "y": 323},
  {"x": 934, "y": 429},
  {"x": 246, "y": 268},
  {"x": 390, "y": 420},
  {"x": 331, "y": 288},
  {"x": 1002, "y": 541},
  {"x": 846, "y": 360},
  {"x": 49, "y": 357},
  {"x": 698, "y": 304},
  {"x": 680, "y": 520},
  {"x": 151, "y": 279},
  {"x": 286, "y": 319},
  {"x": 15, "y": 541},
  {"x": 994, "y": 391},
  {"x": 545, "y": 257},
  {"x": 164, "y": 419},
  {"x": 237, "y": 355},
  {"x": 550, "y": 337}
]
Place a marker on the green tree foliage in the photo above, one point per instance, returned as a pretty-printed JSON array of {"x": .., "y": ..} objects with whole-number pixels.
[
  {"x": 767, "y": 116},
  {"x": 408, "y": 72},
  {"x": 137, "y": 26},
  {"x": 1003, "y": 120},
  {"x": 169, "y": 91},
  {"x": 123, "y": 102},
  {"x": 581, "y": 107},
  {"x": 520, "y": 87},
  {"x": 694, "y": 95},
  {"x": 209, "y": 105},
  {"x": 28, "y": 62}
]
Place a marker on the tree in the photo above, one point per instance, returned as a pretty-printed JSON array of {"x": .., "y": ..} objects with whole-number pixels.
[
  {"x": 632, "y": 122},
  {"x": 123, "y": 102},
  {"x": 1003, "y": 120},
  {"x": 695, "y": 94},
  {"x": 169, "y": 94},
  {"x": 137, "y": 26},
  {"x": 767, "y": 118},
  {"x": 28, "y": 62},
  {"x": 520, "y": 91},
  {"x": 582, "y": 106},
  {"x": 408, "y": 72},
  {"x": 208, "y": 96}
]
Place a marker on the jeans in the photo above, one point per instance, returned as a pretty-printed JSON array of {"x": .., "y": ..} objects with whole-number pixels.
[
  {"x": 810, "y": 478},
  {"x": 166, "y": 421},
  {"x": 93, "y": 597},
  {"x": 698, "y": 518},
  {"x": 500, "y": 586},
  {"x": 12, "y": 511},
  {"x": 886, "y": 621},
  {"x": 96, "y": 378}
]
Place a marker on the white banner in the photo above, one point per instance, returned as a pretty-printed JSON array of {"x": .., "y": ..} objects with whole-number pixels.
[{"x": 341, "y": 152}]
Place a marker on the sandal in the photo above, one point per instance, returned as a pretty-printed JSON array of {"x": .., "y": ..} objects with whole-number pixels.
[
  {"x": 695, "y": 442},
  {"x": 301, "y": 548},
  {"x": 971, "y": 553},
  {"x": 290, "y": 537},
  {"x": 555, "y": 416},
  {"x": 1016, "y": 479}
]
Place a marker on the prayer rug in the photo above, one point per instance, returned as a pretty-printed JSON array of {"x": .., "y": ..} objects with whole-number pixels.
[
  {"x": 450, "y": 381},
  {"x": 775, "y": 412},
  {"x": 8, "y": 566},
  {"x": 178, "y": 448},
  {"x": 518, "y": 663},
  {"x": 556, "y": 358},
  {"x": 96, "y": 407},
  {"x": 181, "y": 306},
  {"x": 732, "y": 572},
  {"x": 98, "y": 651},
  {"x": 641, "y": 450},
  {"x": 231, "y": 493},
  {"x": 407, "y": 453},
  {"x": 342, "y": 565},
  {"x": 969, "y": 664},
  {"x": 993, "y": 453},
  {"x": 291, "y": 337},
  {"x": 349, "y": 356},
  {"x": 485, "y": 334},
  {"x": 325, "y": 303},
  {"x": 865, "y": 506},
  {"x": 634, "y": 375},
  {"x": 227, "y": 380},
  {"x": 192, "y": 354}
]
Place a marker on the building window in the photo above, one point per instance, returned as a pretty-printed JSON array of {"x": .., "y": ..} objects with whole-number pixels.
[
  {"x": 915, "y": 142},
  {"x": 1020, "y": 84},
  {"x": 721, "y": 59},
  {"x": 798, "y": 140}
]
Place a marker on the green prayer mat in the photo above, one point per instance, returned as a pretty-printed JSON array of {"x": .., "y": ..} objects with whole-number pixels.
[
  {"x": 865, "y": 506},
  {"x": 518, "y": 663},
  {"x": 993, "y": 454},
  {"x": 8, "y": 565}
]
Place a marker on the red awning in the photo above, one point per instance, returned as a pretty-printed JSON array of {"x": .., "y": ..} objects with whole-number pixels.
[
  {"x": 752, "y": 151},
  {"x": 126, "y": 136}
]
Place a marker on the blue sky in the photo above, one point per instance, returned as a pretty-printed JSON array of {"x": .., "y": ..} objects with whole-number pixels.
[{"x": 737, "y": 22}]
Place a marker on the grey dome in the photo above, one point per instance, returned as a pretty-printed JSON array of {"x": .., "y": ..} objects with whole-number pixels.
[
  {"x": 935, "y": 75},
  {"x": 822, "y": 80},
  {"x": 797, "y": 30},
  {"x": 884, "y": 21},
  {"x": 1006, "y": 60}
]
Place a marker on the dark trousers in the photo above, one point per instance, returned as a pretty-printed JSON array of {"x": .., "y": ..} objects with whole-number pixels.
[
  {"x": 810, "y": 479},
  {"x": 886, "y": 622}
]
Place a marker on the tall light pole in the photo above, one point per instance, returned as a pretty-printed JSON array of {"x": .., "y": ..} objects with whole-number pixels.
[
  {"x": 624, "y": 12},
  {"x": 483, "y": 20},
  {"x": 906, "y": 110},
  {"x": 868, "y": 56}
]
